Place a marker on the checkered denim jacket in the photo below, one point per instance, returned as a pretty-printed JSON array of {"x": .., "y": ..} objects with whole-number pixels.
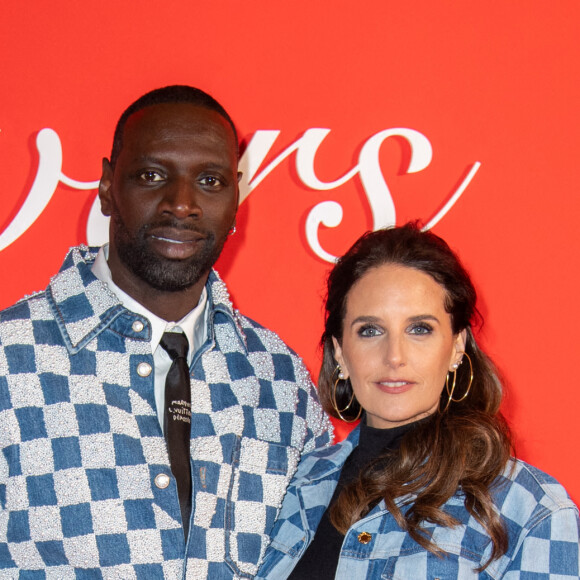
[
  {"x": 542, "y": 524},
  {"x": 83, "y": 492}
]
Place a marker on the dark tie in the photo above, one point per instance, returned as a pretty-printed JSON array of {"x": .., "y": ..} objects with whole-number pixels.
[{"x": 177, "y": 419}]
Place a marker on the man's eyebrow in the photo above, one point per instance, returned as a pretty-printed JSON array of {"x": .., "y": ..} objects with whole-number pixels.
[
  {"x": 161, "y": 160},
  {"x": 148, "y": 159}
]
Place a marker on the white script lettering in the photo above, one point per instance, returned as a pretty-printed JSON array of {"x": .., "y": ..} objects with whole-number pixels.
[{"x": 328, "y": 213}]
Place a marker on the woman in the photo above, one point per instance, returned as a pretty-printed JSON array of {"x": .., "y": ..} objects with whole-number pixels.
[{"x": 425, "y": 487}]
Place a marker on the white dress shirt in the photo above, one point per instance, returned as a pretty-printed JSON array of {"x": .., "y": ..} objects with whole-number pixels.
[{"x": 193, "y": 324}]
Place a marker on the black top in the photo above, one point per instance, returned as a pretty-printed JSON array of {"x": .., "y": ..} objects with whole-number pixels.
[{"x": 320, "y": 560}]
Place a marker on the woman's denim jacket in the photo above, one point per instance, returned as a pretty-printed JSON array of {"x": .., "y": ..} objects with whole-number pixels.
[{"x": 541, "y": 521}]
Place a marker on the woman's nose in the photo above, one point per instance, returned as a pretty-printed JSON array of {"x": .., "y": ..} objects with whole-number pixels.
[{"x": 395, "y": 352}]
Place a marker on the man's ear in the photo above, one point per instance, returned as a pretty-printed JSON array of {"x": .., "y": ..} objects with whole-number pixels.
[
  {"x": 105, "y": 188},
  {"x": 240, "y": 175}
]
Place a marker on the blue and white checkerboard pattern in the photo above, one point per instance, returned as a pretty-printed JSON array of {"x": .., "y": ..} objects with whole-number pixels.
[
  {"x": 81, "y": 445},
  {"x": 542, "y": 524}
]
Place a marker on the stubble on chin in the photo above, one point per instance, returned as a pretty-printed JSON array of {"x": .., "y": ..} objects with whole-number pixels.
[{"x": 156, "y": 271}]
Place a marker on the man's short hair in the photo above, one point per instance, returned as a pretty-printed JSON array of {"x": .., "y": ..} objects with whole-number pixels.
[{"x": 170, "y": 94}]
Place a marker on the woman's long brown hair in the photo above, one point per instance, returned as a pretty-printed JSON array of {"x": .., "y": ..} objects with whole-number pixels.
[{"x": 464, "y": 448}]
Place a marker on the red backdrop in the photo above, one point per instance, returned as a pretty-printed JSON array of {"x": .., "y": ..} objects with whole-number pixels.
[{"x": 483, "y": 82}]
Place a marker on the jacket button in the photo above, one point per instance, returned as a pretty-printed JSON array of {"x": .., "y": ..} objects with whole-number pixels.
[
  {"x": 137, "y": 326},
  {"x": 364, "y": 537},
  {"x": 144, "y": 369},
  {"x": 162, "y": 480}
]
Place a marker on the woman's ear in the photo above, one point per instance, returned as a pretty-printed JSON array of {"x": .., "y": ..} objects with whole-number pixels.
[
  {"x": 459, "y": 343},
  {"x": 339, "y": 358}
]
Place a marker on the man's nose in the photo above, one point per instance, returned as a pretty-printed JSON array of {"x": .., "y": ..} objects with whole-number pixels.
[{"x": 181, "y": 198}]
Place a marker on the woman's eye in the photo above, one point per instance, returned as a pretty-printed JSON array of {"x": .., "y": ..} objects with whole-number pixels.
[
  {"x": 421, "y": 329},
  {"x": 150, "y": 176},
  {"x": 369, "y": 331}
]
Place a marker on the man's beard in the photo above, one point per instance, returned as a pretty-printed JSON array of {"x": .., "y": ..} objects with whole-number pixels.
[{"x": 158, "y": 272}]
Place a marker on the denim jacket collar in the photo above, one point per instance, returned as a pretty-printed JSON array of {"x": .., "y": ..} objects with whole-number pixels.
[
  {"x": 328, "y": 463},
  {"x": 83, "y": 306},
  {"x": 323, "y": 463}
]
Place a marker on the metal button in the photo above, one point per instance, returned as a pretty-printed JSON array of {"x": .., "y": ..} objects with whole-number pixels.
[
  {"x": 162, "y": 480},
  {"x": 144, "y": 369},
  {"x": 137, "y": 326},
  {"x": 364, "y": 537}
]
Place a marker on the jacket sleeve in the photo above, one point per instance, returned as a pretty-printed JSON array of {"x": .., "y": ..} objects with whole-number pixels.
[
  {"x": 550, "y": 550},
  {"x": 319, "y": 430}
]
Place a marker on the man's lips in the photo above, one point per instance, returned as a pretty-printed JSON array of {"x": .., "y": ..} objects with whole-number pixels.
[
  {"x": 176, "y": 243},
  {"x": 172, "y": 240},
  {"x": 176, "y": 235}
]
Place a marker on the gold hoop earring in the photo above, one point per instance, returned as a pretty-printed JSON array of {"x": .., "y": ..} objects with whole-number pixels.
[
  {"x": 451, "y": 390},
  {"x": 340, "y": 377}
]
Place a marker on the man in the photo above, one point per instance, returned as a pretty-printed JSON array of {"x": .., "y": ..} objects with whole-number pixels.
[{"x": 93, "y": 480}]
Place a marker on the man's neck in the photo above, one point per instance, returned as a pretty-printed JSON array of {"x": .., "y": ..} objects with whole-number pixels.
[{"x": 170, "y": 306}]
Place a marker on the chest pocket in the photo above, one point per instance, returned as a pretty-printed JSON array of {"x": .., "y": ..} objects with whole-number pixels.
[
  {"x": 429, "y": 566},
  {"x": 463, "y": 547}
]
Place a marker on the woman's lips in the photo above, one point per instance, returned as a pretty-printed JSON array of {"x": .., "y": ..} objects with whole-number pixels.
[{"x": 394, "y": 387}]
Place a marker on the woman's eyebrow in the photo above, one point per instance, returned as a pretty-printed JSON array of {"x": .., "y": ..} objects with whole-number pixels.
[
  {"x": 421, "y": 317},
  {"x": 376, "y": 319},
  {"x": 360, "y": 319}
]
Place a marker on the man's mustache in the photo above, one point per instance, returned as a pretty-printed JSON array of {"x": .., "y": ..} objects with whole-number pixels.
[{"x": 172, "y": 223}]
